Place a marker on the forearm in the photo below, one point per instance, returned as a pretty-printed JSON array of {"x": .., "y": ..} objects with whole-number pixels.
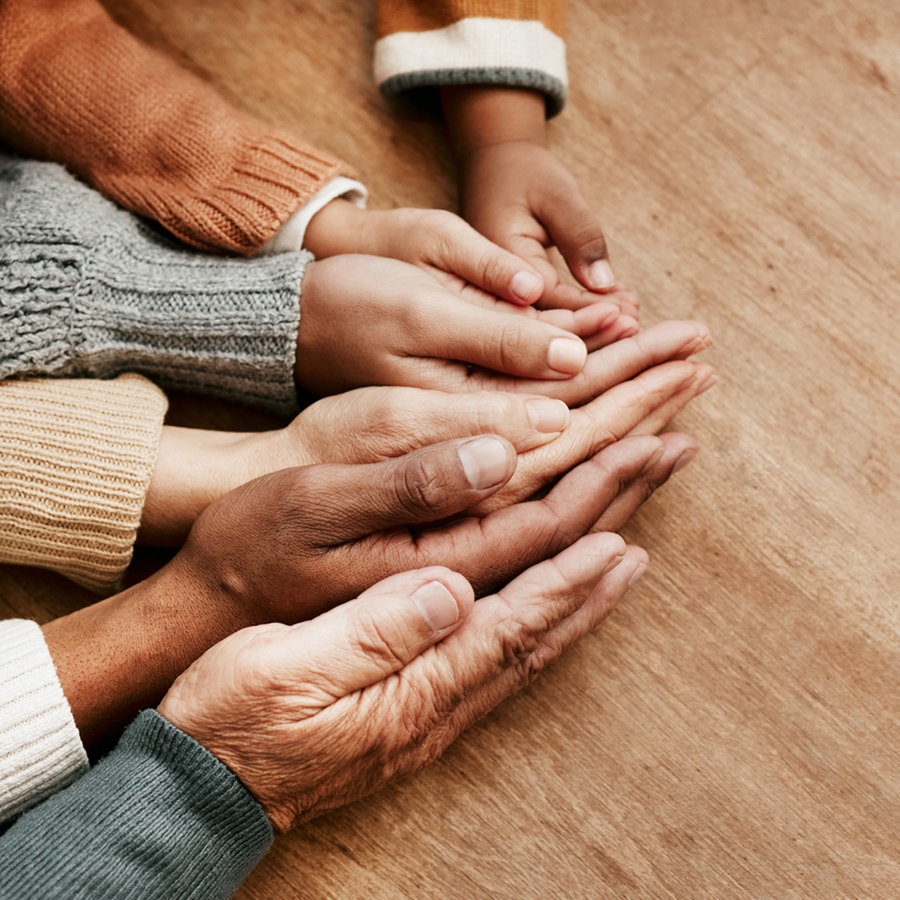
[
  {"x": 40, "y": 749},
  {"x": 120, "y": 655},
  {"x": 87, "y": 289},
  {"x": 77, "y": 88},
  {"x": 75, "y": 462}
]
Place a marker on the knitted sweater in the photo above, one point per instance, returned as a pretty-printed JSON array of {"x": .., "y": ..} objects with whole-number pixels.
[
  {"x": 87, "y": 289},
  {"x": 40, "y": 750},
  {"x": 159, "y": 817},
  {"x": 164, "y": 144},
  {"x": 77, "y": 88},
  {"x": 75, "y": 463}
]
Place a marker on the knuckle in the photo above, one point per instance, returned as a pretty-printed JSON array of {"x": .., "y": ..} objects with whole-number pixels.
[
  {"x": 422, "y": 486},
  {"x": 496, "y": 411},
  {"x": 377, "y": 638},
  {"x": 587, "y": 239},
  {"x": 515, "y": 344}
]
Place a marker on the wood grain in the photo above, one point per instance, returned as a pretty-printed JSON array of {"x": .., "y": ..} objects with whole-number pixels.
[{"x": 732, "y": 730}]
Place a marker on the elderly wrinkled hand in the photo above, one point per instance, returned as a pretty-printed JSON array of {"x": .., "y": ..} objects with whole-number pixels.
[{"x": 316, "y": 715}]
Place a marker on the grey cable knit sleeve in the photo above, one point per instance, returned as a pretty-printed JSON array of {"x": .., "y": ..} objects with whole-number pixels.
[
  {"x": 159, "y": 817},
  {"x": 88, "y": 289}
]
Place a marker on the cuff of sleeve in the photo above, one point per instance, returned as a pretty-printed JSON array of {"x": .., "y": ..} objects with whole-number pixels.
[
  {"x": 485, "y": 51},
  {"x": 239, "y": 209},
  {"x": 160, "y": 815},
  {"x": 292, "y": 233},
  {"x": 90, "y": 290},
  {"x": 194, "y": 323},
  {"x": 76, "y": 458},
  {"x": 40, "y": 748}
]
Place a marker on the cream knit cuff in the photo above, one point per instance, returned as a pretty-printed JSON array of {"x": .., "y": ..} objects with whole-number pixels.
[
  {"x": 40, "y": 749},
  {"x": 76, "y": 458}
]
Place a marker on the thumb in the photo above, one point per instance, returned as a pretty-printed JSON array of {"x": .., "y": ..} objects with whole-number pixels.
[
  {"x": 384, "y": 629},
  {"x": 576, "y": 232},
  {"x": 345, "y": 502}
]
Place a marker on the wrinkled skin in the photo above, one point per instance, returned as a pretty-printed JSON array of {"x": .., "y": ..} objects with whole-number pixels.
[{"x": 313, "y": 716}]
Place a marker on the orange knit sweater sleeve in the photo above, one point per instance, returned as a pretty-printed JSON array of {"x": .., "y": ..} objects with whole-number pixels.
[{"x": 77, "y": 88}]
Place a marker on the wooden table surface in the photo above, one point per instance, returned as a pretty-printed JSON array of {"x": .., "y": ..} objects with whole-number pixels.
[{"x": 732, "y": 730}]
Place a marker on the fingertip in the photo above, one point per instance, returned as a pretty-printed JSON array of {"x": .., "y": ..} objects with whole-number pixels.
[
  {"x": 437, "y": 605},
  {"x": 600, "y": 276},
  {"x": 567, "y": 355},
  {"x": 526, "y": 287},
  {"x": 547, "y": 415},
  {"x": 639, "y": 561}
]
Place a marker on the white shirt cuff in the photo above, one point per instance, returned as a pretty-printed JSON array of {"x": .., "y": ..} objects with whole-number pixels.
[{"x": 291, "y": 235}]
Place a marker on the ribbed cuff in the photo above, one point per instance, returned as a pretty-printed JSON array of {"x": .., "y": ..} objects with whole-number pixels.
[
  {"x": 76, "y": 458},
  {"x": 86, "y": 289},
  {"x": 193, "y": 323},
  {"x": 237, "y": 210},
  {"x": 40, "y": 748},
  {"x": 160, "y": 817}
]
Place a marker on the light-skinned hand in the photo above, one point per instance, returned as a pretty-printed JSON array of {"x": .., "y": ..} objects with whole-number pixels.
[
  {"x": 316, "y": 715},
  {"x": 367, "y": 320},
  {"x": 632, "y": 384}
]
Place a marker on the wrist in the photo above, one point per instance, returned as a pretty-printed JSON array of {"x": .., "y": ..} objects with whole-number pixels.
[
  {"x": 195, "y": 467},
  {"x": 481, "y": 116},
  {"x": 336, "y": 228},
  {"x": 120, "y": 655}
]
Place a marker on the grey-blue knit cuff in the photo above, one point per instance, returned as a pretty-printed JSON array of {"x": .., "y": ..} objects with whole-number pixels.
[{"x": 159, "y": 817}]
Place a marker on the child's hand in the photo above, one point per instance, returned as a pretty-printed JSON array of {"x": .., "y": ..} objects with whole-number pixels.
[{"x": 518, "y": 194}]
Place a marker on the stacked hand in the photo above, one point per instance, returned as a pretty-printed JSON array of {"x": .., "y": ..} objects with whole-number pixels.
[
  {"x": 313, "y": 716},
  {"x": 637, "y": 383},
  {"x": 289, "y": 545}
]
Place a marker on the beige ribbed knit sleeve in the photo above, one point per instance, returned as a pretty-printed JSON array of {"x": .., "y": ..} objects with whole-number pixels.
[
  {"x": 40, "y": 749},
  {"x": 75, "y": 463}
]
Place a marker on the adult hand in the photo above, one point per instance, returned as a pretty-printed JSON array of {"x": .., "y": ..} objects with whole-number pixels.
[
  {"x": 292, "y": 544},
  {"x": 367, "y": 320},
  {"x": 194, "y": 467},
  {"x": 314, "y": 716},
  {"x": 337, "y": 529}
]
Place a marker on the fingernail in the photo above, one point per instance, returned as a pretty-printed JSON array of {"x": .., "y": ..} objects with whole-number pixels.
[
  {"x": 684, "y": 459},
  {"x": 699, "y": 344},
  {"x": 600, "y": 274},
  {"x": 437, "y": 605},
  {"x": 547, "y": 415},
  {"x": 525, "y": 285},
  {"x": 707, "y": 382},
  {"x": 484, "y": 461},
  {"x": 637, "y": 575},
  {"x": 567, "y": 355}
]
